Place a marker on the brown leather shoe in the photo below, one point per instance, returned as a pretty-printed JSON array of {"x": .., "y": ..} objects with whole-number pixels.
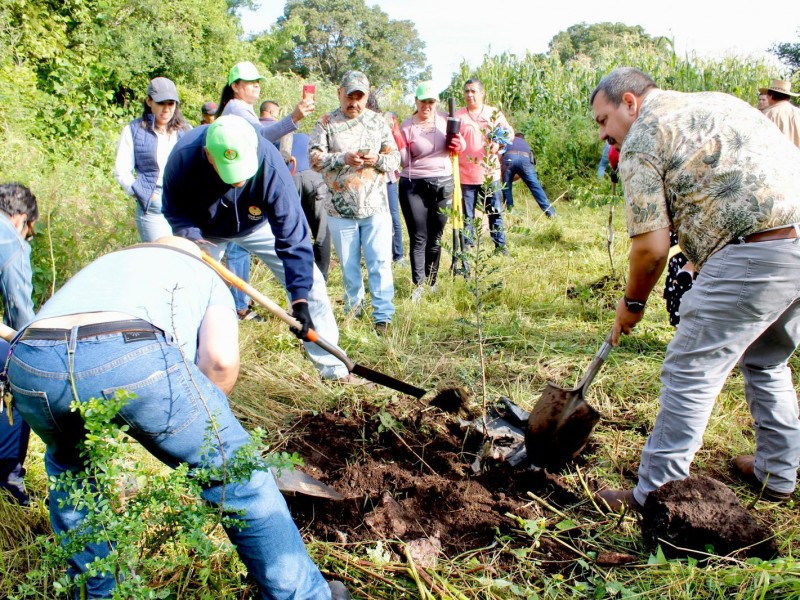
[
  {"x": 745, "y": 466},
  {"x": 616, "y": 500}
]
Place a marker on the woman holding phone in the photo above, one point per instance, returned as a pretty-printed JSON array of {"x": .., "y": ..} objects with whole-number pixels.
[
  {"x": 426, "y": 184},
  {"x": 242, "y": 92},
  {"x": 238, "y": 98}
]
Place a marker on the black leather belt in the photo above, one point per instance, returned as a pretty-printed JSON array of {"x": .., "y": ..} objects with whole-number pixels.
[
  {"x": 91, "y": 330},
  {"x": 784, "y": 233}
]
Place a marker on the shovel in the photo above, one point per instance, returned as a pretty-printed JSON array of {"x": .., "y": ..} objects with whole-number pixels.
[
  {"x": 561, "y": 422},
  {"x": 288, "y": 481},
  {"x": 313, "y": 336}
]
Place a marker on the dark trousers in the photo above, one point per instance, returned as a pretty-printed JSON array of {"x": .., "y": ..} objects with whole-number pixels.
[
  {"x": 423, "y": 202},
  {"x": 313, "y": 204}
]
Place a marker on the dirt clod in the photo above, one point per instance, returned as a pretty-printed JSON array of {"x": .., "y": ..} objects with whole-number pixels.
[{"x": 698, "y": 512}]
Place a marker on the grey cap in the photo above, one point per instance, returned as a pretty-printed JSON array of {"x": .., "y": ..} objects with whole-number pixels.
[
  {"x": 162, "y": 89},
  {"x": 355, "y": 81}
]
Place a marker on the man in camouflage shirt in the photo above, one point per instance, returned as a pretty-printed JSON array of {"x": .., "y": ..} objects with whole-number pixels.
[
  {"x": 354, "y": 149},
  {"x": 710, "y": 167}
]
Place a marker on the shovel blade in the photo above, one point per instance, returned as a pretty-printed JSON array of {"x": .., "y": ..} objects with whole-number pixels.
[
  {"x": 297, "y": 482},
  {"x": 559, "y": 426}
]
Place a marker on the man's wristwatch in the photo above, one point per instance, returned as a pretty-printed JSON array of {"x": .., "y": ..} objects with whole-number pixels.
[{"x": 635, "y": 306}]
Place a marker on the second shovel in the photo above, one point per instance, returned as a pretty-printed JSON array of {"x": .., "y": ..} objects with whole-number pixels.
[{"x": 560, "y": 424}]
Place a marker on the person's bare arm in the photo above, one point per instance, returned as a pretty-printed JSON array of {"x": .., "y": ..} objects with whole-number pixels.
[
  {"x": 218, "y": 347},
  {"x": 648, "y": 256}
]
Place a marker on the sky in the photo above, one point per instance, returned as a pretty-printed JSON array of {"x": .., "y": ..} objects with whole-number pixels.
[{"x": 468, "y": 29}]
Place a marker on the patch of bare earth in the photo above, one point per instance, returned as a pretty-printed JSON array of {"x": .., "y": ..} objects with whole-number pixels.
[{"x": 409, "y": 481}]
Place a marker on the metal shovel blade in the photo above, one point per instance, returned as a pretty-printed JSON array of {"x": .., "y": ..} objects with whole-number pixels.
[
  {"x": 560, "y": 424},
  {"x": 297, "y": 482}
]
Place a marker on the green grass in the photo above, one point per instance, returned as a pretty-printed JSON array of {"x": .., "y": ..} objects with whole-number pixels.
[{"x": 544, "y": 323}]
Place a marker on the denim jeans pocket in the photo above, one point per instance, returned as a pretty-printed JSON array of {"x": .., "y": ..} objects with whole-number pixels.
[
  {"x": 35, "y": 409},
  {"x": 165, "y": 403}
]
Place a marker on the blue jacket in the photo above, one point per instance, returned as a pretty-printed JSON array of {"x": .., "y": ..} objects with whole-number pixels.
[
  {"x": 145, "y": 149},
  {"x": 16, "y": 276},
  {"x": 198, "y": 204}
]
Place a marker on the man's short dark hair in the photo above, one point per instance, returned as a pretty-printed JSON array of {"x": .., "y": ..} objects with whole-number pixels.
[
  {"x": 777, "y": 96},
  {"x": 477, "y": 82},
  {"x": 16, "y": 199},
  {"x": 620, "y": 81},
  {"x": 265, "y": 104}
]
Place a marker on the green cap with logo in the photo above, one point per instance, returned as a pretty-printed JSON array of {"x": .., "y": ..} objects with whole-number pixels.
[
  {"x": 425, "y": 91},
  {"x": 246, "y": 71},
  {"x": 355, "y": 81},
  {"x": 233, "y": 145}
]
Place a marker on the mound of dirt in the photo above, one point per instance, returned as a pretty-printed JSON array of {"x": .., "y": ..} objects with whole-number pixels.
[
  {"x": 409, "y": 480},
  {"x": 698, "y": 512}
]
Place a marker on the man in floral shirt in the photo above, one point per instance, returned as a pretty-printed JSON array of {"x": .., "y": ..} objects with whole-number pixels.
[
  {"x": 354, "y": 149},
  {"x": 711, "y": 168}
]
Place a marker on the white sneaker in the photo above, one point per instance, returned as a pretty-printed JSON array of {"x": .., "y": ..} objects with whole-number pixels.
[{"x": 417, "y": 294}]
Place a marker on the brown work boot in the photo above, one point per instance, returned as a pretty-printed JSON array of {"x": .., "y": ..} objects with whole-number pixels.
[
  {"x": 744, "y": 466},
  {"x": 616, "y": 500}
]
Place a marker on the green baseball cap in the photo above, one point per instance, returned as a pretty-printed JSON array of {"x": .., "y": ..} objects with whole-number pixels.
[
  {"x": 246, "y": 71},
  {"x": 233, "y": 145},
  {"x": 425, "y": 91}
]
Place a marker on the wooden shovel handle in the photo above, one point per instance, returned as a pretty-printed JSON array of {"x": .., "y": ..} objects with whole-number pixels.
[{"x": 275, "y": 309}]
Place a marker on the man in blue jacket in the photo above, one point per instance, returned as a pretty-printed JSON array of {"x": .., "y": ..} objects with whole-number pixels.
[
  {"x": 518, "y": 161},
  {"x": 18, "y": 211},
  {"x": 226, "y": 183}
]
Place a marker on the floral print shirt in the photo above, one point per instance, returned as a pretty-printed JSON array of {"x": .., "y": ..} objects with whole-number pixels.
[
  {"x": 355, "y": 193},
  {"x": 710, "y": 166}
]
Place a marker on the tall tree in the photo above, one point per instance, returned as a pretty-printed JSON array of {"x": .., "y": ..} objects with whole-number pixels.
[
  {"x": 789, "y": 53},
  {"x": 347, "y": 34},
  {"x": 598, "y": 38}
]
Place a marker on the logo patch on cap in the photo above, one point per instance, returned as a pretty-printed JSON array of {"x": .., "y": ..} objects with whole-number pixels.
[{"x": 231, "y": 154}]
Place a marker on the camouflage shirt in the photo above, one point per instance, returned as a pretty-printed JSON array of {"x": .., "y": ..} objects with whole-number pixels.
[
  {"x": 355, "y": 193},
  {"x": 710, "y": 166}
]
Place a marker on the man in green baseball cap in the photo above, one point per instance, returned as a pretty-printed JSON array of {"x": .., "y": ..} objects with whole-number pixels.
[
  {"x": 232, "y": 147},
  {"x": 223, "y": 183}
]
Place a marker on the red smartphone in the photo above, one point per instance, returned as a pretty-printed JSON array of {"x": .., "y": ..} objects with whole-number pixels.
[{"x": 309, "y": 90}]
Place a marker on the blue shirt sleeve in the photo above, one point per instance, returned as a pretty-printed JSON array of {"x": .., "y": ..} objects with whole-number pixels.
[{"x": 16, "y": 280}]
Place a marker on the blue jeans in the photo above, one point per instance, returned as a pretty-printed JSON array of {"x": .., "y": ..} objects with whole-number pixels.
[
  {"x": 521, "y": 164},
  {"x": 170, "y": 417},
  {"x": 472, "y": 196},
  {"x": 397, "y": 224},
  {"x": 261, "y": 242},
  {"x": 238, "y": 261},
  {"x": 371, "y": 235},
  {"x": 152, "y": 224},
  {"x": 744, "y": 308}
]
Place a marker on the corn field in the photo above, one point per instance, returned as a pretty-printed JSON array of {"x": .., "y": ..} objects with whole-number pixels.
[{"x": 548, "y": 99}]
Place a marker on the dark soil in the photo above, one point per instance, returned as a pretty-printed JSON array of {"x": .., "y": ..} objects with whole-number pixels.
[
  {"x": 699, "y": 512},
  {"x": 408, "y": 479}
]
